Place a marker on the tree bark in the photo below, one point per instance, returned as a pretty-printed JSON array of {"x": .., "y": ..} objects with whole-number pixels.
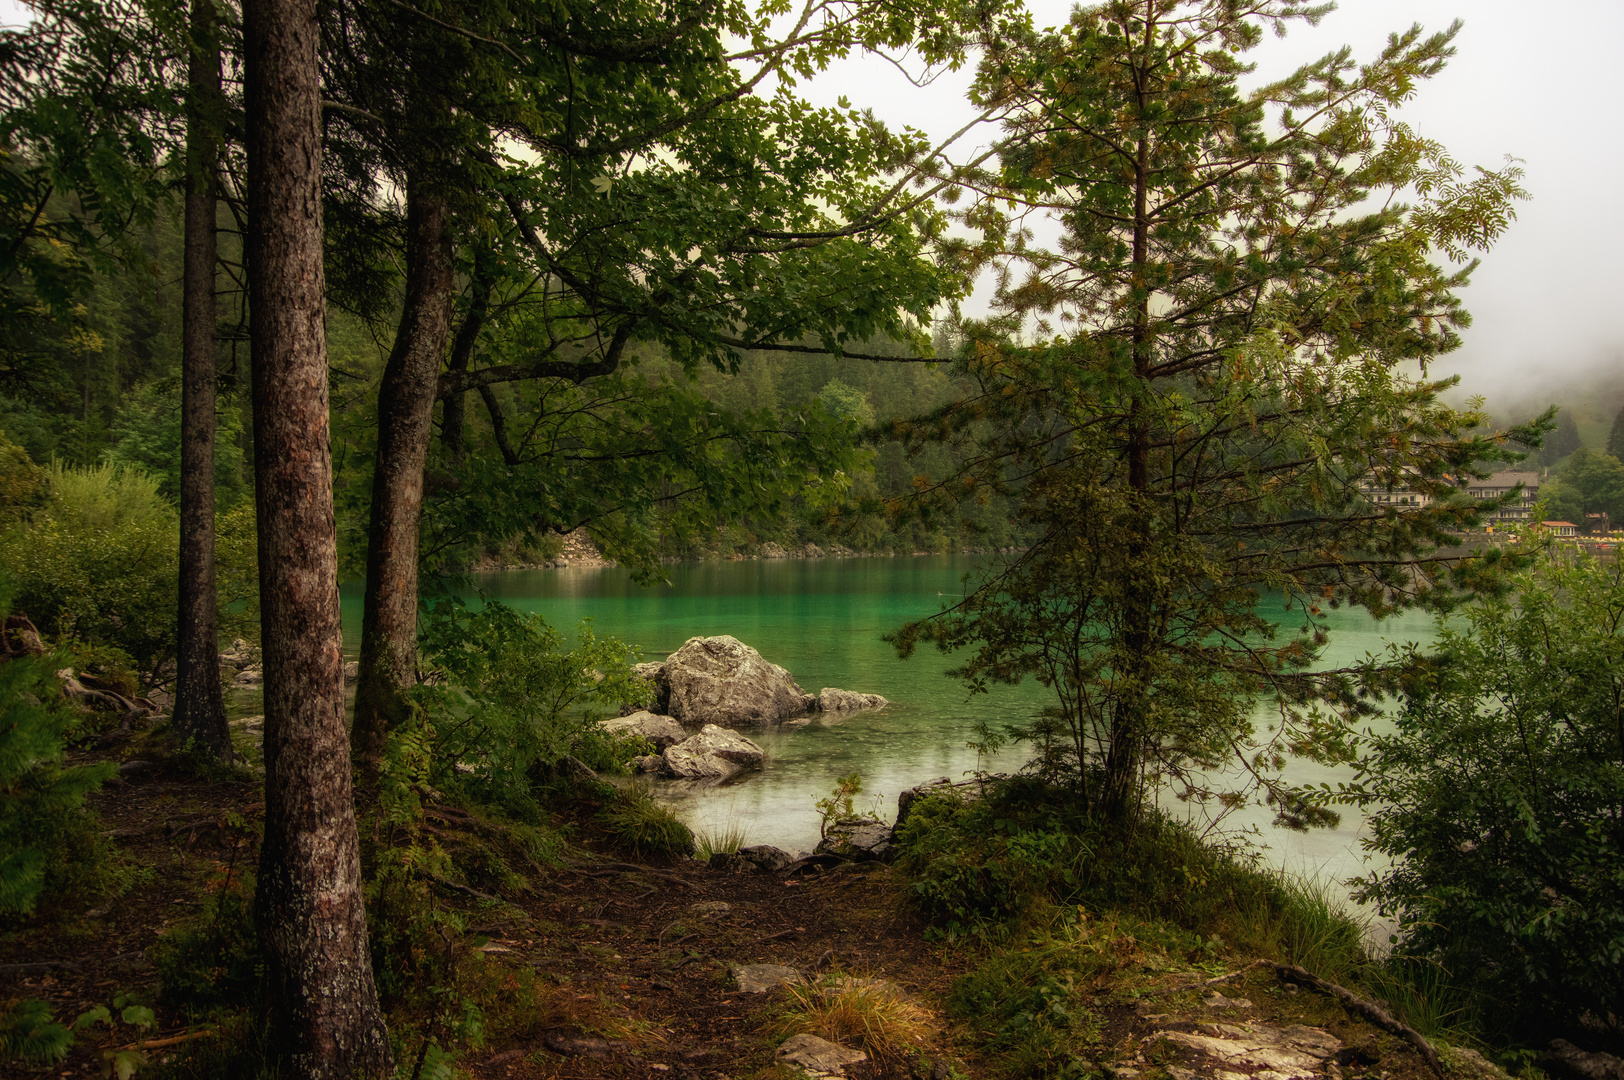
[
  {"x": 405, "y": 425},
  {"x": 200, "y": 712},
  {"x": 309, "y": 907},
  {"x": 453, "y": 416}
]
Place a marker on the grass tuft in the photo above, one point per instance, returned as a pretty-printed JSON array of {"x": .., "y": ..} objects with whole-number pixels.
[
  {"x": 727, "y": 838},
  {"x": 870, "y": 1014},
  {"x": 634, "y": 820}
]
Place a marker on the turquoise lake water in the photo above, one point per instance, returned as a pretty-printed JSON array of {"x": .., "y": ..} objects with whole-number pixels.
[{"x": 823, "y": 619}]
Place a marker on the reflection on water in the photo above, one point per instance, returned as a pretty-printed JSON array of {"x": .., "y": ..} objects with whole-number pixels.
[{"x": 822, "y": 619}]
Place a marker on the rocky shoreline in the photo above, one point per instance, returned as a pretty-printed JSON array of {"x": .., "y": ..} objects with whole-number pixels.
[{"x": 580, "y": 552}]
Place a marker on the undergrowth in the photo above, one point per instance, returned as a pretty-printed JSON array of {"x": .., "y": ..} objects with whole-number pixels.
[{"x": 1059, "y": 904}]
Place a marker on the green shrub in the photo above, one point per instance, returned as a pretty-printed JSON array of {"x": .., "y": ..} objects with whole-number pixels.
[
  {"x": 1499, "y": 794},
  {"x": 1030, "y": 1008},
  {"x": 514, "y": 703},
  {"x": 1024, "y": 849},
  {"x": 214, "y": 960},
  {"x": 637, "y": 822},
  {"x": 48, "y": 840},
  {"x": 98, "y": 563}
]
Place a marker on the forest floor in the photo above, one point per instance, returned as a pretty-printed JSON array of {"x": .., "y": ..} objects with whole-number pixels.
[{"x": 608, "y": 968}]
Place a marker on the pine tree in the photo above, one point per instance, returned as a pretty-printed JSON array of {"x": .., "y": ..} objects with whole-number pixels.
[
  {"x": 1216, "y": 383},
  {"x": 1615, "y": 437}
]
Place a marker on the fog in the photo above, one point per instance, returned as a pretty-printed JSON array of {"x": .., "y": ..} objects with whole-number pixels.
[
  {"x": 1546, "y": 91},
  {"x": 1543, "y": 90}
]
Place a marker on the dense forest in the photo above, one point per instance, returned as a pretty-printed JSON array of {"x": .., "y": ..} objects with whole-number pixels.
[{"x": 300, "y": 294}]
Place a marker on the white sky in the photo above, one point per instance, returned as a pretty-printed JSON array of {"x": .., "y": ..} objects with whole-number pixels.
[{"x": 1544, "y": 88}]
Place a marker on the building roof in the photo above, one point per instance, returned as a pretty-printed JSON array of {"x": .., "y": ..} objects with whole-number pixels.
[
  {"x": 1556, "y": 524},
  {"x": 1509, "y": 478}
]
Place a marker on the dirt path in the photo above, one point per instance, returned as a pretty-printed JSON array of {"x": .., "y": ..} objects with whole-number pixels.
[{"x": 608, "y": 969}]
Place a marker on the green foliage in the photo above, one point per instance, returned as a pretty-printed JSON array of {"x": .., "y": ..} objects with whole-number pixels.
[
  {"x": 1030, "y": 1007},
  {"x": 514, "y": 702},
  {"x": 22, "y": 483},
  {"x": 29, "y": 1032},
  {"x": 838, "y": 803},
  {"x": 1026, "y": 849},
  {"x": 99, "y": 563},
  {"x": 727, "y": 839},
  {"x": 48, "y": 841},
  {"x": 635, "y": 821},
  {"x": 1589, "y": 483},
  {"x": 1615, "y": 437},
  {"x": 146, "y": 436},
  {"x": 214, "y": 961},
  {"x": 1194, "y": 393},
  {"x": 1499, "y": 794}
]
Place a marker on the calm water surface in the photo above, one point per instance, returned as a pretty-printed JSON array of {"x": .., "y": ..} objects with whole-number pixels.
[{"x": 823, "y": 620}]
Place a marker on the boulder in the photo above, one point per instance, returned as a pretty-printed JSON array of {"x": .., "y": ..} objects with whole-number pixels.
[
  {"x": 818, "y": 1055},
  {"x": 762, "y": 858},
  {"x": 647, "y": 763},
  {"x": 760, "y": 978},
  {"x": 662, "y": 731},
  {"x": 249, "y": 677},
  {"x": 721, "y": 680},
  {"x": 831, "y": 699},
  {"x": 714, "y": 754},
  {"x": 861, "y": 839},
  {"x": 1567, "y": 1060},
  {"x": 352, "y": 671},
  {"x": 770, "y": 550}
]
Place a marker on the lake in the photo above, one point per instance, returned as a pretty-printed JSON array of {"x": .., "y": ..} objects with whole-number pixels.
[{"x": 823, "y": 619}]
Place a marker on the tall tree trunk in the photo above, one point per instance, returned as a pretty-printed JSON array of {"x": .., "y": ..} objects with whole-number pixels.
[
  {"x": 310, "y": 909},
  {"x": 453, "y": 418},
  {"x": 405, "y": 426},
  {"x": 200, "y": 712},
  {"x": 1125, "y": 758}
]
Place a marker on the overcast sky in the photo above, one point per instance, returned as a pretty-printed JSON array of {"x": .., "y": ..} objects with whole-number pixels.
[{"x": 1542, "y": 88}]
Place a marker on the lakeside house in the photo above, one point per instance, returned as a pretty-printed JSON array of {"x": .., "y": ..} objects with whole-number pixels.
[
  {"x": 1561, "y": 528},
  {"x": 1520, "y": 508}
]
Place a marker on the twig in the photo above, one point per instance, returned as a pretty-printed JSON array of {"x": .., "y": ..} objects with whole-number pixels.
[
  {"x": 171, "y": 1040},
  {"x": 39, "y": 967},
  {"x": 1206, "y": 982},
  {"x": 791, "y": 932}
]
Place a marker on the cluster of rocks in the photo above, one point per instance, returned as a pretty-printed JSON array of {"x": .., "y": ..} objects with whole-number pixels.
[
  {"x": 242, "y": 666},
  {"x": 705, "y": 690}
]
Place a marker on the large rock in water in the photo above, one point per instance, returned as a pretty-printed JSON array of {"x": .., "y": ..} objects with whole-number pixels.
[
  {"x": 714, "y": 754},
  {"x": 721, "y": 680},
  {"x": 662, "y": 731},
  {"x": 831, "y": 699}
]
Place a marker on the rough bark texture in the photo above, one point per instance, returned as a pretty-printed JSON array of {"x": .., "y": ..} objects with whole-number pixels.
[
  {"x": 310, "y": 909},
  {"x": 405, "y": 426},
  {"x": 200, "y": 712}
]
